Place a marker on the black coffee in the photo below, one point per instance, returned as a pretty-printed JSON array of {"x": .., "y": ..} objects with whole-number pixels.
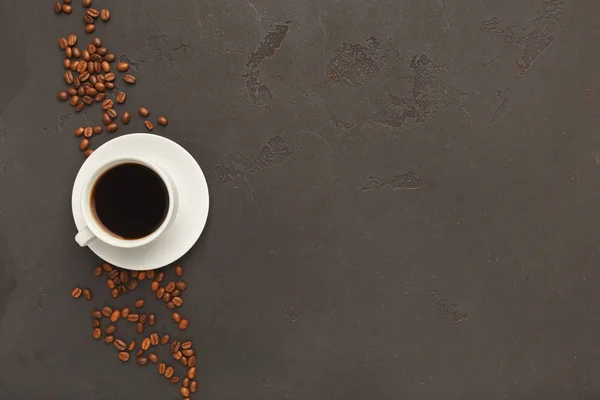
[{"x": 130, "y": 200}]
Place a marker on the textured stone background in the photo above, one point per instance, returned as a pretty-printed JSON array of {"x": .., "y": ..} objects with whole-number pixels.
[{"x": 405, "y": 198}]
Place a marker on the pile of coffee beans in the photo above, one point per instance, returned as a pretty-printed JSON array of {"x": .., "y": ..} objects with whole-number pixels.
[
  {"x": 121, "y": 281},
  {"x": 90, "y": 79}
]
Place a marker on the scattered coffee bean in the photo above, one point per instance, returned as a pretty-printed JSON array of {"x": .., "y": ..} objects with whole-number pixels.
[
  {"x": 84, "y": 144},
  {"x": 175, "y": 346},
  {"x": 72, "y": 39},
  {"x": 124, "y": 356},
  {"x": 191, "y": 373},
  {"x": 111, "y": 284},
  {"x": 88, "y": 19},
  {"x": 91, "y": 48},
  {"x": 76, "y": 52},
  {"x": 105, "y": 14},
  {"x": 149, "y": 125},
  {"x": 176, "y": 293},
  {"x": 162, "y": 367},
  {"x": 76, "y": 293},
  {"x": 92, "y": 12},
  {"x": 143, "y": 111},
  {"x": 112, "y": 128},
  {"x": 186, "y": 382},
  {"x": 106, "y": 119},
  {"x": 193, "y": 387},
  {"x": 142, "y": 275},
  {"x": 74, "y": 100},
  {"x": 110, "y": 329},
  {"x": 79, "y": 106},
  {"x": 176, "y": 317},
  {"x": 116, "y": 314},
  {"x": 177, "y": 355},
  {"x": 133, "y": 317},
  {"x": 68, "y": 52},
  {"x": 129, "y": 79},
  {"x": 143, "y": 318},
  {"x": 86, "y": 3},
  {"x": 133, "y": 284},
  {"x": 122, "y": 289},
  {"x": 139, "y": 327},
  {"x": 155, "y": 286},
  {"x": 150, "y": 274},
  {"x": 97, "y": 130},
  {"x": 62, "y": 96},
  {"x": 120, "y": 345},
  {"x": 186, "y": 345},
  {"x": 160, "y": 276},
  {"x": 71, "y": 91},
  {"x": 87, "y": 100},
  {"x": 109, "y": 339},
  {"x": 131, "y": 345},
  {"x": 97, "y": 333},
  {"x": 88, "y": 132},
  {"x": 107, "y": 311},
  {"x": 188, "y": 352},
  {"x": 105, "y": 66},
  {"x": 112, "y": 113},
  {"x": 164, "y": 339},
  {"x": 160, "y": 292},
  {"x": 153, "y": 358},
  {"x": 102, "y": 51},
  {"x": 139, "y": 303},
  {"x": 169, "y": 372},
  {"x": 170, "y": 305},
  {"x": 122, "y": 66},
  {"x": 107, "y": 267},
  {"x": 90, "y": 91},
  {"x": 63, "y": 43},
  {"x": 101, "y": 87},
  {"x": 154, "y": 340},
  {"x": 98, "y": 269},
  {"x": 114, "y": 293},
  {"x": 177, "y": 301},
  {"x": 67, "y": 9},
  {"x": 170, "y": 287},
  {"x": 97, "y": 314},
  {"x": 142, "y": 361},
  {"x": 185, "y": 392},
  {"x": 183, "y": 324},
  {"x": 109, "y": 77},
  {"x": 121, "y": 96},
  {"x": 68, "y": 76},
  {"x": 107, "y": 104},
  {"x": 89, "y": 28},
  {"x": 181, "y": 285},
  {"x": 110, "y": 57},
  {"x": 87, "y": 293},
  {"x": 57, "y": 8},
  {"x": 125, "y": 312},
  {"x": 191, "y": 361},
  {"x": 163, "y": 121},
  {"x": 183, "y": 361},
  {"x": 174, "y": 379},
  {"x": 97, "y": 42},
  {"x": 96, "y": 323}
]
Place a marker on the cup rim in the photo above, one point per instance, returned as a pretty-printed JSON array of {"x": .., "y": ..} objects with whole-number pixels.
[{"x": 95, "y": 226}]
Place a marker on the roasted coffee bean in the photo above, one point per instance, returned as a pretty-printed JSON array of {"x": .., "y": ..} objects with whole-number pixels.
[
  {"x": 133, "y": 317},
  {"x": 110, "y": 283},
  {"x": 91, "y": 48},
  {"x": 191, "y": 361},
  {"x": 183, "y": 361},
  {"x": 176, "y": 317},
  {"x": 142, "y": 275},
  {"x": 87, "y": 293},
  {"x": 169, "y": 372},
  {"x": 85, "y": 143},
  {"x": 163, "y": 121},
  {"x": 162, "y": 367},
  {"x": 89, "y": 28},
  {"x": 186, "y": 382},
  {"x": 80, "y": 91},
  {"x": 139, "y": 327},
  {"x": 105, "y": 14},
  {"x": 97, "y": 66},
  {"x": 153, "y": 358},
  {"x": 131, "y": 345},
  {"x": 191, "y": 373},
  {"x": 129, "y": 79},
  {"x": 86, "y": 3},
  {"x": 68, "y": 52},
  {"x": 125, "y": 313},
  {"x": 112, "y": 128},
  {"x": 167, "y": 297},
  {"x": 154, "y": 286},
  {"x": 82, "y": 67},
  {"x": 92, "y": 12},
  {"x": 96, "y": 323},
  {"x": 74, "y": 65},
  {"x": 110, "y": 57},
  {"x": 97, "y": 333},
  {"x": 68, "y": 75},
  {"x": 109, "y": 77},
  {"x": 72, "y": 39},
  {"x": 67, "y": 9},
  {"x": 88, "y": 19},
  {"x": 97, "y": 42},
  {"x": 164, "y": 339},
  {"x": 88, "y": 152},
  {"x": 90, "y": 67},
  {"x": 175, "y": 346},
  {"x": 151, "y": 320},
  {"x": 139, "y": 303},
  {"x": 186, "y": 345},
  {"x": 71, "y": 91},
  {"x": 79, "y": 107},
  {"x": 99, "y": 78},
  {"x": 102, "y": 51},
  {"x": 110, "y": 85},
  {"x": 149, "y": 125},
  {"x": 143, "y": 318},
  {"x": 110, "y": 329},
  {"x": 121, "y": 97},
  {"x": 86, "y": 55},
  {"x": 76, "y": 293},
  {"x": 113, "y": 273},
  {"x": 143, "y": 111},
  {"x": 63, "y": 43},
  {"x": 88, "y": 132},
  {"x": 98, "y": 269},
  {"x": 76, "y": 52},
  {"x": 133, "y": 284},
  {"x": 96, "y": 58},
  {"x": 97, "y": 130},
  {"x": 122, "y": 66},
  {"x": 114, "y": 293},
  {"x": 90, "y": 91},
  {"x": 188, "y": 352},
  {"x": 107, "y": 104},
  {"x": 105, "y": 66},
  {"x": 84, "y": 76},
  {"x": 122, "y": 289},
  {"x": 176, "y": 293},
  {"x": 112, "y": 113},
  {"x": 174, "y": 379},
  {"x": 105, "y": 118},
  {"x": 160, "y": 292},
  {"x": 97, "y": 314},
  {"x": 57, "y": 8},
  {"x": 109, "y": 339},
  {"x": 177, "y": 355},
  {"x": 124, "y": 356},
  {"x": 120, "y": 345},
  {"x": 178, "y": 301},
  {"x": 150, "y": 274},
  {"x": 193, "y": 387},
  {"x": 183, "y": 324},
  {"x": 154, "y": 340},
  {"x": 142, "y": 361},
  {"x": 160, "y": 276},
  {"x": 87, "y": 100},
  {"x": 107, "y": 267},
  {"x": 170, "y": 287},
  {"x": 185, "y": 392},
  {"x": 124, "y": 276},
  {"x": 100, "y": 98},
  {"x": 116, "y": 314},
  {"x": 146, "y": 344},
  {"x": 62, "y": 96},
  {"x": 76, "y": 82},
  {"x": 170, "y": 305}
]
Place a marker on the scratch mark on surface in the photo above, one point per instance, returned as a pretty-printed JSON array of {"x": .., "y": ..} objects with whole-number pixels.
[
  {"x": 259, "y": 18},
  {"x": 443, "y": 5},
  {"x": 502, "y": 110},
  {"x": 409, "y": 180}
]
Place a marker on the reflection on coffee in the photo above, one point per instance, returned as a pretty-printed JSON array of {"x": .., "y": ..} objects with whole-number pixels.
[{"x": 130, "y": 200}]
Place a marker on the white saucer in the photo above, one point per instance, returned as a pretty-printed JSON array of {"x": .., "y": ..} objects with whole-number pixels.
[{"x": 192, "y": 188}]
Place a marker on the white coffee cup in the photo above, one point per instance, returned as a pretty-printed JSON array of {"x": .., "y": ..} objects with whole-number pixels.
[{"x": 94, "y": 230}]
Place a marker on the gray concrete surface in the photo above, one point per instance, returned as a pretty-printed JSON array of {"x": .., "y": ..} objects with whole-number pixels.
[{"x": 405, "y": 198}]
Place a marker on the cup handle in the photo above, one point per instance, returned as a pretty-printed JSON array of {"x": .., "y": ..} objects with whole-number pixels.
[{"x": 84, "y": 237}]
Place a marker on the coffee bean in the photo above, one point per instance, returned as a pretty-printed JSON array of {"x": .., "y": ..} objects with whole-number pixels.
[
  {"x": 160, "y": 276},
  {"x": 86, "y": 55},
  {"x": 131, "y": 345},
  {"x": 116, "y": 314},
  {"x": 188, "y": 352},
  {"x": 87, "y": 100},
  {"x": 97, "y": 333},
  {"x": 107, "y": 311},
  {"x": 67, "y": 9},
  {"x": 186, "y": 382},
  {"x": 177, "y": 301},
  {"x": 97, "y": 42},
  {"x": 72, "y": 39},
  {"x": 76, "y": 52},
  {"x": 164, "y": 339},
  {"x": 62, "y": 96},
  {"x": 90, "y": 67},
  {"x": 90, "y": 91},
  {"x": 76, "y": 293},
  {"x": 105, "y": 66},
  {"x": 175, "y": 346},
  {"x": 57, "y": 8},
  {"x": 74, "y": 65},
  {"x": 186, "y": 345},
  {"x": 89, "y": 28},
  {"x": 191, "y": 361},
  {"x": 97, "y": 314},
  {"x": 111, "y": 284},
  {"x": 183, "y": 324},
  {"x": 170, "y": 305},
  {"x": 109, "y": 339},
  {"x": 154, "y": 340},
  {"x": 110, "y": 85},
  {"x": 153, "y": 358},
  {"x": 193, "y": 387},
  {"x": 95, "y": 323},
  {"x": 67, "y": 1},
  {"x": 122, "y": 289},
  {"x": 107, "y": 104},
  {"x": 139, "y": 303},
  {"x": 162, "y": 367},
  {"x": 154, "y": 286},
  {"x": 88, "y": 132},
  {"x": 129, "y": 79},
  {"x": 142, "y": 361},
  {"x": 68, "y": 52},
  {"x": 79, "y": 107},
  {"x": 139, "y": 327},
  {"x": 146, "y": 344},
  {"x": 160, "y": 292},
  {"x": 112, "y": 128},
  {"x": 109, "y": 77},
  {"x": 86, "y": 3},
  {"x": 102, "y": 51},
  {"x": 183, "y": 361},
  {"x": 87, "y": 293},
  {"x": 98, "y": 269},
  {"x": 167, "y": 297},
  {"x": 133, "y": 317},
  {"x": 68, "y": 77},
  {"x": 97, "y": 130},
  {"x": 125, "y": 118},
  {"x": 149, "y": 125},
  {"x": 113, "y": 273},
  {"x": 174, "y": 379},
  {"x": 143, "y": 318},
  {"x": 124, "y": 356},
  {"x": 143, "y": 111},
  {"x": 112, "y": 113},
  {"x": 88, "y": 152},
  {"x": 120, "y": 345},
  {"x": 110, "y": 329},
  {"x": 71, "y": 91},
  {"x": 122, "y": 66},
  {"x": 85, "y": 143},
  {"x": 169, "y": 372},
  {"x": 176, "y": 317},
  {"x": 114, "y": 293},
  {"x": 80, "y": 91},
  {"x": 177, "y": 355},
  {"x": 121, "y": 97},
  {"x": 105, "y": 14},
  {"x": 88, "y": 19},
  {"x": 107, "y": 267},
  {"x": 176, "y": 293},
  {"x": 99, "y": 98},
  {"x": 163, "y": 121},
  {"x": 63, "y": 43},
  {"x": 170, "y": 287},
  {"x": 105, "y": 118},
  {"x": 142, "y": 275},
  {"x": 92, "y": 12},
  {"x": 133, "y": 284},
  {"x": 191, "y": 373},
  {"x": 110, "y": 57},
  {"x": 91, "y": 48},
  {"x": 97, "y": 66},
  {"x": 96, "y": 58},
  {"x": 185, "y": 392}
]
